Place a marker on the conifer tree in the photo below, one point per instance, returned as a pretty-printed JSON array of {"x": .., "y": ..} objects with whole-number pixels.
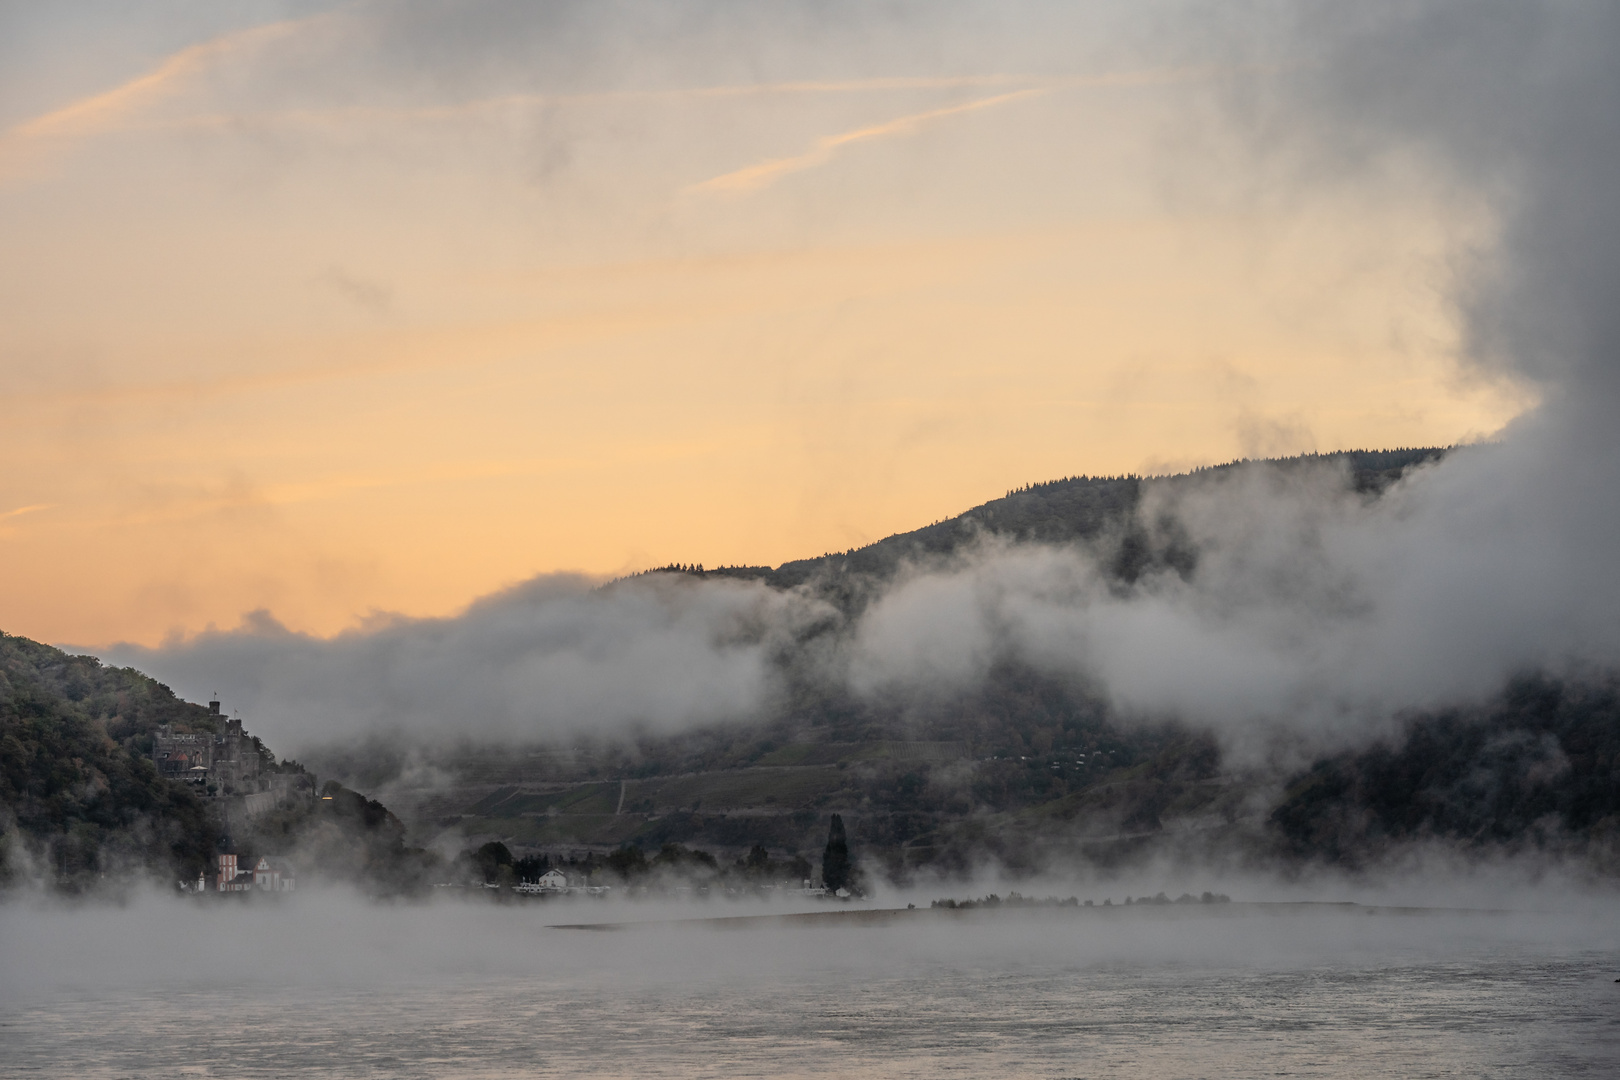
[{"x": 835, "y": 860}]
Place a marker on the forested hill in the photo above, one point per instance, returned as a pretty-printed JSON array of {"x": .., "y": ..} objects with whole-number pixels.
[
  {"x": 83, "y": 808},
  {"x": 1058, "y": 511},
  {"x": 79, "y": 796}
]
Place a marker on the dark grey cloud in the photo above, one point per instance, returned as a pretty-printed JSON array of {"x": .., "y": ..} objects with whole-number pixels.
[
  {"x": 1518, "y": 100},
  {"x": 608, "y": 44}
]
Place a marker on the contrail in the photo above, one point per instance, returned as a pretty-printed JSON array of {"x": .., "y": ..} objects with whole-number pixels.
[
  {"x": 111, "y": 109},
  {"x": 755, "y": 177},
  {"x": 102, "y": 111},
  {"x": 765, "y": 173}
]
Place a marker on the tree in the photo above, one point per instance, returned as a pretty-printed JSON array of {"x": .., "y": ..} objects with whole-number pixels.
[
  {"x": 491, "y": 859},
  {"x": 758, "y": 863},
  {"x": 627, "y": 862},
  {"x": 530, "y": 867},
  {"x": 680, "y": 857},
  {"x": 835, "y": 873}
]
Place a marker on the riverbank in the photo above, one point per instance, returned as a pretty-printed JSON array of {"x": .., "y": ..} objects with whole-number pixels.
[{"x": 857, "y": 917}]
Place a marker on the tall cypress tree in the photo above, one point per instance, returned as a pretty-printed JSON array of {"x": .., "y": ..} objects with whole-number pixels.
[{"x": 835, "y": 860}]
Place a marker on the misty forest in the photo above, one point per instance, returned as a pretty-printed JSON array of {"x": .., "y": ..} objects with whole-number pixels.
[{"x": 1026, "y": 769}]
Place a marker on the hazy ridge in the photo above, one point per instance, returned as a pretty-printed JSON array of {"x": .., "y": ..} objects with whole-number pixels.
[{"x": 1022, "y": 770}]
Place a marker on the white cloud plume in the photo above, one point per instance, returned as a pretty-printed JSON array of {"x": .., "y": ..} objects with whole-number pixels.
[
  {"x": 553, "y": 658},
  {"x": 1309, "y": 611}
]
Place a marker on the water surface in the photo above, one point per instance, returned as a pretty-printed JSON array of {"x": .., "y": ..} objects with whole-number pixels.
[{"x": 341, "y": 989}]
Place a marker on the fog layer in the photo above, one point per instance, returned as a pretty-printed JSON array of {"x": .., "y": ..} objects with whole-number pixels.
[
  {"x": 554, "y": 657},
  {"x": 334, "y": 939}
]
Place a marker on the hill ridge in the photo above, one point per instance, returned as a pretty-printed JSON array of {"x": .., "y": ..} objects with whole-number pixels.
[{"x": 1060, "y": 510}]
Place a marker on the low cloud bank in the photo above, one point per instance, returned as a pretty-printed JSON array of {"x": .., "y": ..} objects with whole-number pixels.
[
  {"x": 555, "y": 657},
  {"x": 1311, "y": 613}
]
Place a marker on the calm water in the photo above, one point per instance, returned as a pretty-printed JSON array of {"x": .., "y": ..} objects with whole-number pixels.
[{"x": 340, "y": 990}]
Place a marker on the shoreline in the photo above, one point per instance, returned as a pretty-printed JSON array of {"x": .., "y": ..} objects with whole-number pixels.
[{"x": 891, "y": 916}]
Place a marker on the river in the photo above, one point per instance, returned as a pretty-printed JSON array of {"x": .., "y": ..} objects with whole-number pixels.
[{"x": 337, "y": 987}]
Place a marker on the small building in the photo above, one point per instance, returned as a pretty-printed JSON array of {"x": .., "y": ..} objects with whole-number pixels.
[
  {"x": 272, "y": 873},
  {"x": 552, "y": 881},
  {"x": 232, "y": 878}
]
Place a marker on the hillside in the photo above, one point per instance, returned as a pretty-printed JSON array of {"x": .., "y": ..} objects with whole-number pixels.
[
  {"x": 1538, "y": 770},
  {"x": 79, "y": 795},
  {"x": 1080, "y": 508},
  {"x": 1025, "y": 769},
  {"x": 83, "y": 808}
]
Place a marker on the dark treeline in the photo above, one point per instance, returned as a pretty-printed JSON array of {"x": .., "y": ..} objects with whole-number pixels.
[
  {"x": 1075, "y": 509},
  {"x": 673, "y": 867},
  {"x": 1017, "y": 900},
  {"x": 1538, "y": 768}
]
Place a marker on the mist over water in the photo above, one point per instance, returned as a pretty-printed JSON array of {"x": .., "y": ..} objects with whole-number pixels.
[{"x": 332, "y": 986}]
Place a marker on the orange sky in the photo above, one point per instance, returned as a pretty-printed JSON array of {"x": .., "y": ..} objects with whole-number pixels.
[{"x": 282, "y": 328}]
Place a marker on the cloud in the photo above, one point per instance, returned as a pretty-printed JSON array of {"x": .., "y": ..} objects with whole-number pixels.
[
  {"x": 11, "y": 515},
  {"x": 1310, "y": 615},
  {"x": 362, "y": 66},
  {"x": 553, "y": 658},
  {"x": 766, "y": 173},
  {"x": 1311, "y": 612},
  {"x": 372, "y": 296},
  {"x": 110, "y": 109}
]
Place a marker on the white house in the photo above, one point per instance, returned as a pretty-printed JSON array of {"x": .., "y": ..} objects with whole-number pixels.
[
  {"x": 274, "y": 874},
  {"x": 552, "y": 881}
]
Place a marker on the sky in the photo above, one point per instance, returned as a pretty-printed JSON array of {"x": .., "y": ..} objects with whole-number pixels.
[{"x": 333, "y": 310}]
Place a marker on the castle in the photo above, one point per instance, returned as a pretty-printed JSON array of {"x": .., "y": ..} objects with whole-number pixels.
[
  {"x": 230, "y": 766},
  {"x": 228, "y": 760}
]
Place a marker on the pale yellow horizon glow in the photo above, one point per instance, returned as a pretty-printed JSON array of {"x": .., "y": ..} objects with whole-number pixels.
[{"x": 278, "y": 337}]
